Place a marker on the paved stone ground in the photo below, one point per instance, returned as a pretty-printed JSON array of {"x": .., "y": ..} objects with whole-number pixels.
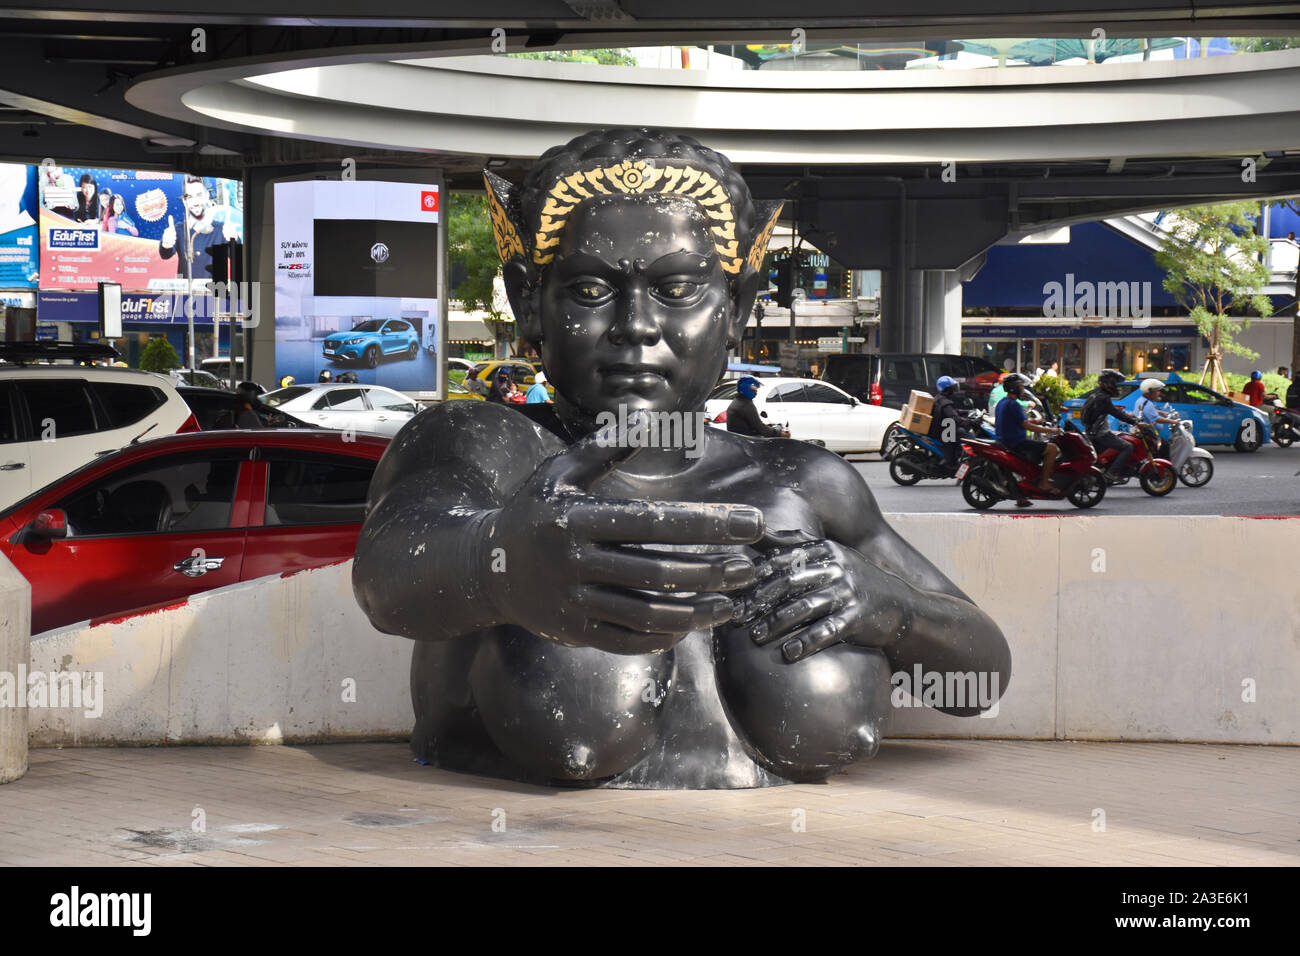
[{"x": 933, "y": 802}]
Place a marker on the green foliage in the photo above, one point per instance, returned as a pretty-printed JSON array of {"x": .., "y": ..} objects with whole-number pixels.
[
  {"x": 1053, "y": 390},
  {"x": 1272, "y": 382},
  {"x": 1083, "y": 386},
  {"x": 1213, "y": 261},
  {"x": 471, "y": 245},
  {"x": 457, "y": 375},
  {"x": 1263, "y": 44},
  {"x": 159, "y": 356},
  {"x": 601, "y": 57}
]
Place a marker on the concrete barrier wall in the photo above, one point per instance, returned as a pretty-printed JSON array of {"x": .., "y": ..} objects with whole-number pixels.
[
  {"x": 15, "y": 629},
  {"x": 1121, "y": 628},
  {"x": 1131, "y": 628},
  {"x": 275, "y": 660}
]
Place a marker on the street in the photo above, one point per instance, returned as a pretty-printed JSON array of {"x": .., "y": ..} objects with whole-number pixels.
[{"x": 1263, "y": 483}]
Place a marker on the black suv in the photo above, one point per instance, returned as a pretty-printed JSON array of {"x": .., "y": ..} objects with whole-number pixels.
[{"x": 888, "y": 379}]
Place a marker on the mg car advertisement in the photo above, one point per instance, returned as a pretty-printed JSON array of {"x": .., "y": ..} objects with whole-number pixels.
[
  {"x": 356, "y": 271},
  {"x": 150, "y": 231}
]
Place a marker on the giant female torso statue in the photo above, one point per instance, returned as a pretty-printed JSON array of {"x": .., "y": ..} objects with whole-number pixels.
[{"x": 657, "y": 605}]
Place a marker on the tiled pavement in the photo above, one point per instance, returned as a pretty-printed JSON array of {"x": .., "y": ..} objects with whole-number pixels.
[{"x": 933, "y": 802}]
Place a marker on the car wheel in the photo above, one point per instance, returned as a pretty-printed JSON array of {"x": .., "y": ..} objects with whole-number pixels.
[
  {"x": 1088, "y": 492},
  {"x": 905, "y": 470},
  {"x": 371, "y": 357},
  {"x": 1158, "y": 480},
  {"x": 1248, "y": 443},
  {"x": 1196, "y": 472},
  {"x": 413, "y": 351}
]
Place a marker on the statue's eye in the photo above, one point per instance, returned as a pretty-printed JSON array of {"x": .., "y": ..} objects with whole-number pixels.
[
  {"x": 590, "y": 291},
  {"x": 676, "y": 290}
]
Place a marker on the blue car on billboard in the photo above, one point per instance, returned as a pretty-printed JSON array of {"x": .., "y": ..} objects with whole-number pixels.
[
  {"x": 1216, "y": 419},
  {"x": 371, "y": 340}
]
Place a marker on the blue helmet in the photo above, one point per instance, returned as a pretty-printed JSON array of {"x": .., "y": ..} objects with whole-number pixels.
[
  {"x": 1256, "y": 375},
  {"x": 945, "y": 382},
  {"x": 747, "y": 386}
]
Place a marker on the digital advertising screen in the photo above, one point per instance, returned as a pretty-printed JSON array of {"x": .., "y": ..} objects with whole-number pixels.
[
  {"x": 356, "y": 282},
  {"x": 19, "y": 250},
  {"x": 148, "y": 231}
]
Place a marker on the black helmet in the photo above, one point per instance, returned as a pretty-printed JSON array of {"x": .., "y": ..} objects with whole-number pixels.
[
  {"x": 1014, "y": 381},
  {"x": 1108, "y": 380}
]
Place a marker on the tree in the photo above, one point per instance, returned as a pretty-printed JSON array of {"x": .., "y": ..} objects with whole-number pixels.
[
  {"x": 471, "y": 246},
  {"x": 159, "y": 356},
  {"x": 602, "y": 57},
  {"x": 1216, "y": 265},
  {"x": 1263, "y": 44}
]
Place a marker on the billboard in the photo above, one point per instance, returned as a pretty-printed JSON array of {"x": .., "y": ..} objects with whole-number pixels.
[
  {"x": 356, "y": 282},
  {"x": 148, "y": 231},
  {"x": 19, "y": 252}
]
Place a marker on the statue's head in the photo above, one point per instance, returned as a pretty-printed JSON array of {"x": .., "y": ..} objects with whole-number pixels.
[{"x": 631, "y": 260}]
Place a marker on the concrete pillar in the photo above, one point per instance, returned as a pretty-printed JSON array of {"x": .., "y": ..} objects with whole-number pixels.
[
  {"x": 942, "y": 311},
  {"x": 15, "y": 653},
  {"x": 902, "y": 310}
]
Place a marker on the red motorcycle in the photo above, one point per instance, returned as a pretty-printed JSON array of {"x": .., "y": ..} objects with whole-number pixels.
[
  {"x": 992, "y": 474},
  {"x": 1156, "y": 475}
]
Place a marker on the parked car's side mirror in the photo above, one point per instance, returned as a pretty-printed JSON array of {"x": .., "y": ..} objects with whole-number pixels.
[{"x": 50, "y": 524}]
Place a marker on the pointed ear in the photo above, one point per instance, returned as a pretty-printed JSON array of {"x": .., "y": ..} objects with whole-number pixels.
[
  {"x": 744, "y": 289},
  {"x": 766, "y": 214},
  {"x": 503, "y": 204},
  {"x": 522, "y": 290}
]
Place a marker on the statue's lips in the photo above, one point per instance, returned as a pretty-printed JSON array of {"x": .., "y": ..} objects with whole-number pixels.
[{"x": 632, "y": 376}]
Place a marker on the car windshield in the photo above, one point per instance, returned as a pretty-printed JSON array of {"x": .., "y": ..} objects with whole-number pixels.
[
  {"x": 282, "y": 395},
  {"x": 374, "y": 325},
  {"x": 727, "y": 391}
]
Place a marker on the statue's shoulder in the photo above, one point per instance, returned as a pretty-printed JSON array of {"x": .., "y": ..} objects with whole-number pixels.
[{"x": 465, "y": 433}]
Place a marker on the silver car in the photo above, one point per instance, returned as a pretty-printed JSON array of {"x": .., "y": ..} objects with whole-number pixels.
[{"x": 362, "y": 408}]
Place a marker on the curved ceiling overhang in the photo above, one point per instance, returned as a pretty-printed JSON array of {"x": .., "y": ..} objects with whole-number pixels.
[{"x": 454, "y": 100}]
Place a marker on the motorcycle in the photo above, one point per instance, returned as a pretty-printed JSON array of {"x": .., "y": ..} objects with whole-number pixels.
[
  {"x": 1195, "y": 466},
  {"x": 1284, "y": 422},
  {"x": 992, "y": 474},
  {"x": 913, "y": 456},
  {"x": 1156, "y": 475}
]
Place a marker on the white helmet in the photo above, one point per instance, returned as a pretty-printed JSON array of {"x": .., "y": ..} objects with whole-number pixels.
[{"x": 1151, "y": 385}]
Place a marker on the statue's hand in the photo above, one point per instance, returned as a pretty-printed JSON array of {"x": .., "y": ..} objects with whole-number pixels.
[
  {"x": 568, "y": 565},
  {"x": 822, "y": 590}
]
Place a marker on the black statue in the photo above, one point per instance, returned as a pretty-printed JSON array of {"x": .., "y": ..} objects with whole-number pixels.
[{"x": 598, "y": 603}]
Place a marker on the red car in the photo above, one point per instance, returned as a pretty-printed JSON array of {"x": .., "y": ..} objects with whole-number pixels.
[{"x": 164, "y": 519}]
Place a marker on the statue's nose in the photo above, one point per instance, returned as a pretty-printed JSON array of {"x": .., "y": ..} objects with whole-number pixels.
[{"x": 635, "y": 324}]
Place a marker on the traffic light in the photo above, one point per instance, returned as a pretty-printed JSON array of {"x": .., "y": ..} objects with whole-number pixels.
[{"x": 784, "y": 283}]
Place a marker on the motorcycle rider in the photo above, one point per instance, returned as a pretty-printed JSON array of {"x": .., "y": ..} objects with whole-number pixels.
[
  {"x": 1153, "y": 391},
  {"x": 1096, "y": 422},
  {"x": 743, "y": 417},
  {"x": 1011, "y": 426},
  {"x": 945, "y": 424}
]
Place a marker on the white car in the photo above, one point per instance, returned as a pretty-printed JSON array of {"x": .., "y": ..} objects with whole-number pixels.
[
  {"x": 363, "y": 408},
  {"x": 56, "y": 418},
  {"x": 813, "y": 411}
]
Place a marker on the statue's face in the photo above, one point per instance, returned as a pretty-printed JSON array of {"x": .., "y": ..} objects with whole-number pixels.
[{"x": 635, "y": 308}]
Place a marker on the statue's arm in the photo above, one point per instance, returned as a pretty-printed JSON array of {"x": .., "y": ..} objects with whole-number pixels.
[
  {"x": 427, "y": 541},
  {"x": 926, "y": 619}
]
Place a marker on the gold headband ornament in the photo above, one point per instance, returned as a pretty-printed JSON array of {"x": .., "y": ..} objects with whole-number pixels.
[{"x": 629, "y": 177}]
